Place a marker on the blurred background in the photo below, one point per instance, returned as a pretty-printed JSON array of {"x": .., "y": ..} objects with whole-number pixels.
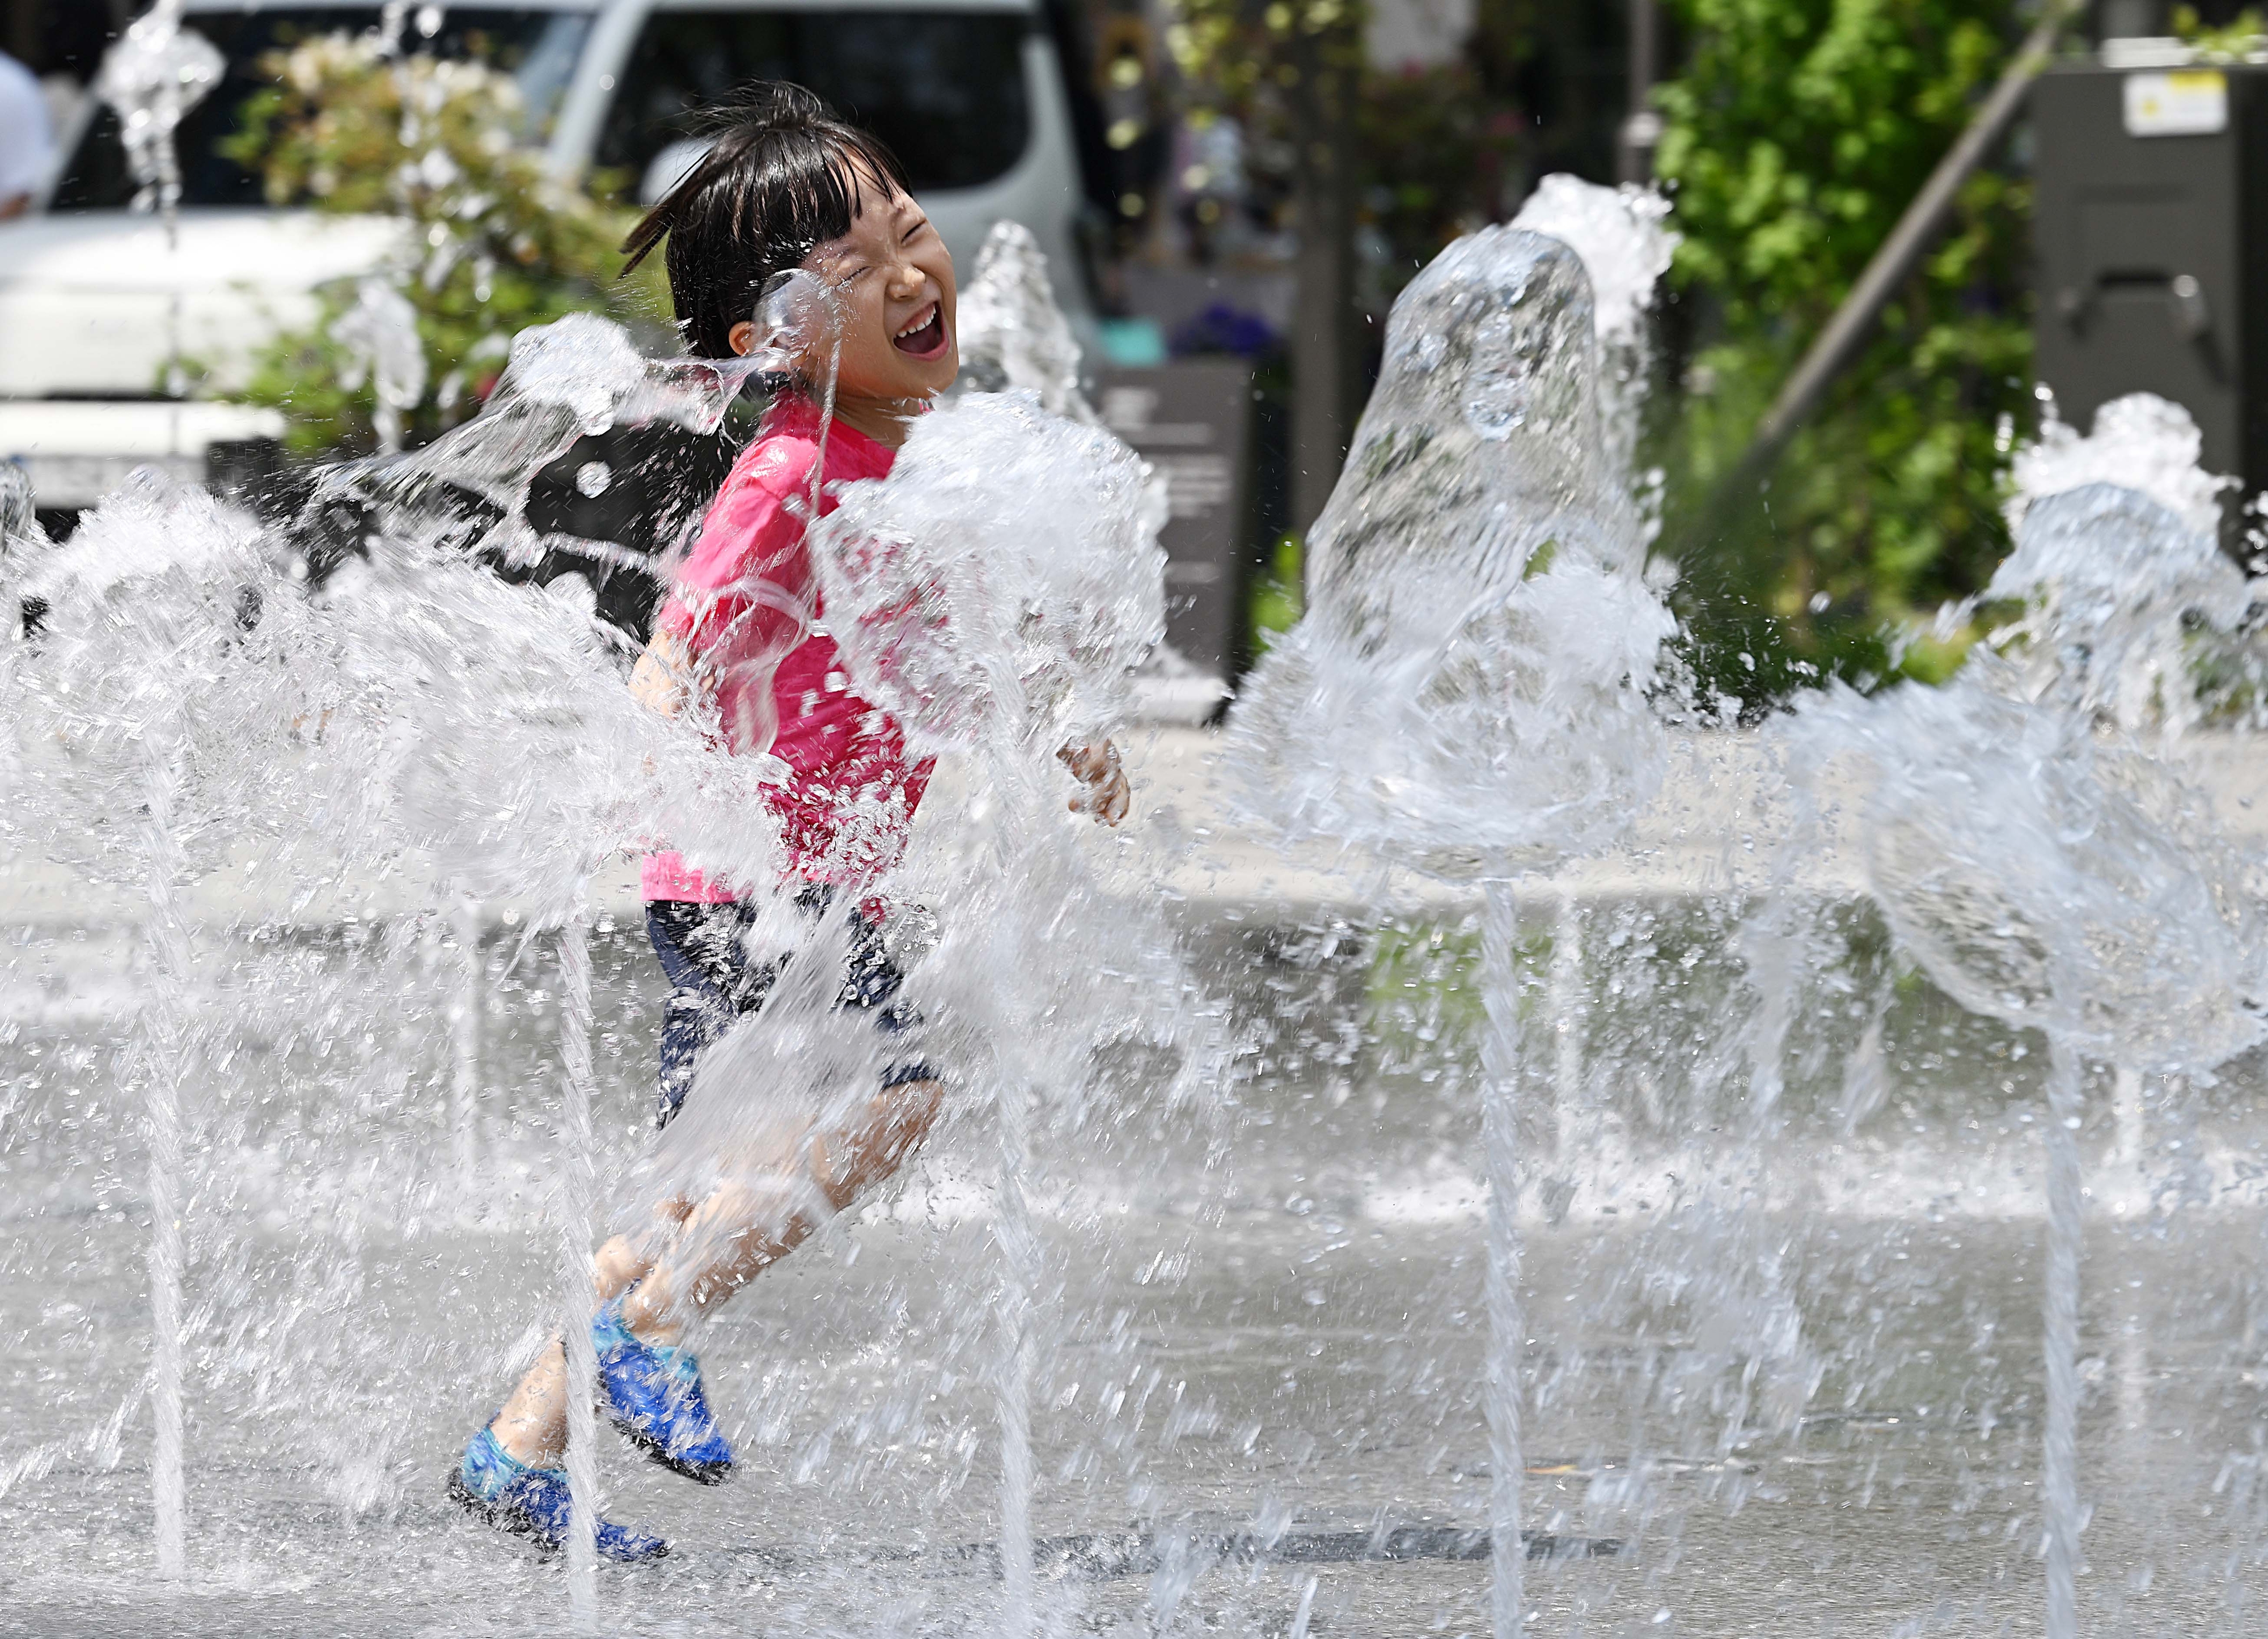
[{"x": 1231, "y": 193}]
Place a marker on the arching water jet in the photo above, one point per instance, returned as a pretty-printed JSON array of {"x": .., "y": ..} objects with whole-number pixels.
[
  {"x": 995, "y": 594},
  {"x": 2055, "y": 877},
  {"x": 1467, "y": 694}
]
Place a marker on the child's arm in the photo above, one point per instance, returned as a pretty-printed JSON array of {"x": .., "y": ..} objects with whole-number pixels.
[{"x": 667, "y": 678}]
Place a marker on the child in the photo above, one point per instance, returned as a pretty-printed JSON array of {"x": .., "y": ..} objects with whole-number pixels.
[{"x": 785, "y": 184}]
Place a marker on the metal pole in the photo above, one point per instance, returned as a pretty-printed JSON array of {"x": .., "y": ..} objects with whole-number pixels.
[
  {"x": 1919, "y": 225},
  {"x": 1641, "y": 131}
]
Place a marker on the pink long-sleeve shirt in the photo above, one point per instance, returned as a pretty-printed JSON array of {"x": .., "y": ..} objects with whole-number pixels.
[{"x": 745, "y": 603}]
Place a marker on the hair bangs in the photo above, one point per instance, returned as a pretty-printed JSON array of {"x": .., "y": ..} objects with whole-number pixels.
[{"x": 782, "y": 177}]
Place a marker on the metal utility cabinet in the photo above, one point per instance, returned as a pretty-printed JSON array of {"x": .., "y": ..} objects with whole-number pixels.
[{"x": 2151, "y": 235}]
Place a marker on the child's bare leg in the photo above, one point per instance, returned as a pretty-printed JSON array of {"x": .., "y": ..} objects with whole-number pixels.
[
  {"x": 747, "y": 1226},
  {"x": 734, "y": 1233},
  {"x": 532, "y": 1426}
]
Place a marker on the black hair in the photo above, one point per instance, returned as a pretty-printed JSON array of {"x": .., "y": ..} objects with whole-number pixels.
[{"x": 782, "y": 175}]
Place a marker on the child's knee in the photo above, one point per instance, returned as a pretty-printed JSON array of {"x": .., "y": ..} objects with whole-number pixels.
[{"x": 871, "y": 1149}]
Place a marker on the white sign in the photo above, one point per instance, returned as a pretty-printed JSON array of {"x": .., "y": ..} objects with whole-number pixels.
[{"x": 2194, "y": 103}]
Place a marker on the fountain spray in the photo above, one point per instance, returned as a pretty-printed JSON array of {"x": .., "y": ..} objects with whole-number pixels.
[
  {"x": 165, "y": 945},
  {"x": 143, "y": 770},
  {"x": 464, "y": 1045},
  {"x": 2045, "y": 870},
  {"x": 151, "y": 79},
  {"x": 994, "y": 595},
  {"x": 1467, "y": 692},
  {"x": 578, "y": 1185}
]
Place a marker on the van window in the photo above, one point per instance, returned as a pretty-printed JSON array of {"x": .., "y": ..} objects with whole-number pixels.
[
  {"x": 944, "y": 89},
  {"x": 538, "y": 46}
]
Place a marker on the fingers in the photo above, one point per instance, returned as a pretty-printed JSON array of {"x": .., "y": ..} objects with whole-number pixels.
[
  {"x": 1108, "y": 803},
  {"x": 1109, "y": 796},
  {"x": 1090, "y": 762}
]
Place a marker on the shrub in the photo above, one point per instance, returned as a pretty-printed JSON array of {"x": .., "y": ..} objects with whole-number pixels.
[
  {"x": 491, "y": 242},
  {"x": 1795, "y": 137}
]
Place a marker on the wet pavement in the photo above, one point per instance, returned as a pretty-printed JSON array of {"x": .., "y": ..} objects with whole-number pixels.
[{"x": 1783, "y": 1374}]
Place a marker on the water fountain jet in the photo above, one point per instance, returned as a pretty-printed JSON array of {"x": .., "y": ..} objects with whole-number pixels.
[
  {"x": 995, "y": 593},
  {"x": 1468, "y": 691},
  {"x": 2054, "y": 877}
]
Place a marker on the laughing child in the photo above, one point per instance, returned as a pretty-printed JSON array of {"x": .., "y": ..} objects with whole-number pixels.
[{"x": 784, "y": 186}]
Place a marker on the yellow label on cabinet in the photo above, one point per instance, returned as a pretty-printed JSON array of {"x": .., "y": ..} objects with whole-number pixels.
[{"x": 2191, "y": 102}]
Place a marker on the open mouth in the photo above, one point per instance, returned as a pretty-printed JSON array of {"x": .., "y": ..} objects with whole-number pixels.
[{"x": 923, "y": 336}]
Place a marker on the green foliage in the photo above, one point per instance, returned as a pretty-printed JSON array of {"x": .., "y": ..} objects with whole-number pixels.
[
  {"x": 1796, "y": 137},
  {"x": 1278, "y": 596},
  {"x": 2243, "y": 40},
  {"x": 1425, "y": 982},
  {"x": 491, "y": 242},
  {"x": 1245, "y": 54}
]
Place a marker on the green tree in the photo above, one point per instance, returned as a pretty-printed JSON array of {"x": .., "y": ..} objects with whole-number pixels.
[
  {"x": 1794, "y": 138},
  {"x": 491, "y": 243}
]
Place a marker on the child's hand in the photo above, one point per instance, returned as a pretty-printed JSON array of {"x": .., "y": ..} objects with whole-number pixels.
[
  {"x": 662, "y": 681},
  {"x": 1107, "y": 795}
]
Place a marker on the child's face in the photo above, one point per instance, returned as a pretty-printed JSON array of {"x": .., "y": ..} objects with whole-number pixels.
[{"x": 894, "y": 278}]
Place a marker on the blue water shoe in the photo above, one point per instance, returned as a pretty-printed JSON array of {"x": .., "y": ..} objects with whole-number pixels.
[
  {"x": 654, "y": 1395},
  {"x": 498, "y": 1489}
]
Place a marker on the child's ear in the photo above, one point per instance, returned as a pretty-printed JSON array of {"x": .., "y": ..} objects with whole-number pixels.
[{"x": 741, "y": 337}]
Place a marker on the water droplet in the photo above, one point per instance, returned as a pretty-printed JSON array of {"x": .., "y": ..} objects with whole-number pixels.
[{"x": 1497, "y": 405}]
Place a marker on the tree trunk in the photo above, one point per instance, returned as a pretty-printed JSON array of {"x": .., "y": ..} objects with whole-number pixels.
[{"x": 1324, "y": 385}]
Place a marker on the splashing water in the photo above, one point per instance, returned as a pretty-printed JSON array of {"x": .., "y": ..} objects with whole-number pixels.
[
  {"x": 1625, "y": 248},
  {"x": 379, "y": 334},
  {"x": 996, "y": 593},
  {"x": 1001, "y": 588},
  {"x": 547, "y": 765},
  {"x": 2121, "y": 590},
  {"x": 2096, "y": 904},
  {"x": 179, "y": 583},
  {"x": 2139, "y": 442},
  {"x": 115, "y": 769},
  {"x": 1618, "y": 233},
  {"x": 1468, "y": 689},
  {"x": 1213, "y": 1303},
  {"x": 1013, "y": 335},
  {"x": 21, "y": 534},
  {"x": 2046, "y": 875},
  {"x": 150, "y": 79},
  {"x": 156, "y": 73},
  {"x": 421, "y": 707}
]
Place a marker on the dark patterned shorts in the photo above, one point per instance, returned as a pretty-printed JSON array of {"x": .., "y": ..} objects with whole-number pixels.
[{"x": 713, "y": 981}]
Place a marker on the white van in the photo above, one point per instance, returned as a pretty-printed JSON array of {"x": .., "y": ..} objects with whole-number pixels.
[{"x": 971, "y": 94}]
